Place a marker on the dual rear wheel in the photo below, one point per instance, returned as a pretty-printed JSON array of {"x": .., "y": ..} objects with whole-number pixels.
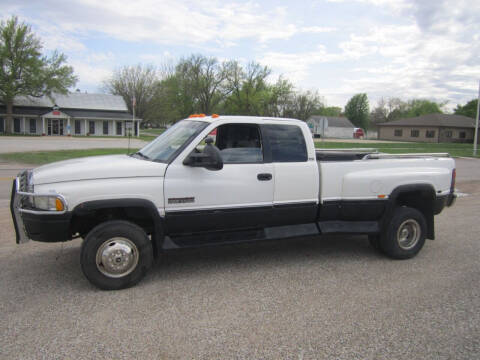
[{"x": 404, "y": 236}]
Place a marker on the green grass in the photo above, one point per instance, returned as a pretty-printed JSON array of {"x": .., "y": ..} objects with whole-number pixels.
[
  {"x": 154, "y": 132},
  {"x": 398, "y": 148},
  {"x": 44, "y": 157},
  {"x": 143, "y": 137}
]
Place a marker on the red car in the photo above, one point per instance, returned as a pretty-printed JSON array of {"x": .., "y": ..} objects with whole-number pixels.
[{"x": 358, "y": 133}]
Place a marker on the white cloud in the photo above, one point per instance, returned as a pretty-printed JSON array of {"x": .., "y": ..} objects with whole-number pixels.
[
  {"x": 295, "y": 66},
  {"x": 91, "y": 75},
  {"x": 433, "y": 53},
  {"x": 186, "y": 22}
]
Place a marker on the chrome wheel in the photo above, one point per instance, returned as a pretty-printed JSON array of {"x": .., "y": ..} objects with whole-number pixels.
[
  {"x": 117, "y": 257},
  {"x": 408, "y": 234}
]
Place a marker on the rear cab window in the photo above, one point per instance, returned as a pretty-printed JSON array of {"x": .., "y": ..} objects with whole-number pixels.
[{"x": 286, "y": 143}]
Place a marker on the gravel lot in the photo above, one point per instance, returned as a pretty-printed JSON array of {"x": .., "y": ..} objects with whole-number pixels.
[
  {"x": 312, "y": 298},
  {"x": 11, "y": 144}
]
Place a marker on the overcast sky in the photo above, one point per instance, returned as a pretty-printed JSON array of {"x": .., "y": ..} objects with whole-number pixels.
[{"x": 403, "y": 48}]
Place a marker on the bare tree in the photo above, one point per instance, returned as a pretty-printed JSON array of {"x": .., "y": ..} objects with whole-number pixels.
[{"x": 133, "y": 82}]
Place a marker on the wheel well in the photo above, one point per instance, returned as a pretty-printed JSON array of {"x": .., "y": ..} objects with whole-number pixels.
[
  {"x": 83, "y": 222},
  {"x": 141, "y": 212},
  {"x": 422, "y": 200}
]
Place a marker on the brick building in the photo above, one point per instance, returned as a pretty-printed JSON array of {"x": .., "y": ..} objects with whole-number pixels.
[{"x": 433, "y": 128}]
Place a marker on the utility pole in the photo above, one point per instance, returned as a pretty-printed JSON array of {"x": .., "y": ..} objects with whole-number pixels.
[{"x": 475, "y": 138}]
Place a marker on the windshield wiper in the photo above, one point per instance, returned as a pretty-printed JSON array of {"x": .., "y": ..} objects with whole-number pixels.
[{"x": 142, "y": 155}]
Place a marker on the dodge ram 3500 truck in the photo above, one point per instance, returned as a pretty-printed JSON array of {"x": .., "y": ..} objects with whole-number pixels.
[{"x": 221, "y": 179}]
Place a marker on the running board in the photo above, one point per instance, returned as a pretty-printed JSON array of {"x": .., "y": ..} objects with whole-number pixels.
[
  {"x": 349, "y": 227},
  {"x": 233, "y": 237}
]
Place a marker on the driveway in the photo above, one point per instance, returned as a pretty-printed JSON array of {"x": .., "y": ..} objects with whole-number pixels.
[{"x": 11, "y": 144}]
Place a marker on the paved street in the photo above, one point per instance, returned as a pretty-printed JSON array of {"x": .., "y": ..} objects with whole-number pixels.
[
  {"x": 10, "y": 144},
  {"x": 312, "y": 298}
]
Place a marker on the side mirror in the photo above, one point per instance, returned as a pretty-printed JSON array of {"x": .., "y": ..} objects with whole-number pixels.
[{"x": 210, "y": 158}]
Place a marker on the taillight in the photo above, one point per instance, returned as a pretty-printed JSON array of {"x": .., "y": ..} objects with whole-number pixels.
[{"x": 452, "y": 185}]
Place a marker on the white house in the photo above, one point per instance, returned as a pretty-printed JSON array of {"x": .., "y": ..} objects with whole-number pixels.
[
  {"x": 330, "y": 127},
  {"x": 71, "y": 114}
]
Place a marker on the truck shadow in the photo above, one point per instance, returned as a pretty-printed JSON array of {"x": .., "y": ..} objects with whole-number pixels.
[
  {"x": 337, "y": 250},
  {"x": 61, "y": 266}
]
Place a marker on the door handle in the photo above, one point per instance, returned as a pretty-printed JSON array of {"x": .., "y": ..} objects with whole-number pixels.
[{"x": 264, "y": 177}]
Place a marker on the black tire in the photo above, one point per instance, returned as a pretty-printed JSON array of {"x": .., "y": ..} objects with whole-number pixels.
[
  {"x": 111, "y": 241},
  {"x": 375, "y": 242},
  {"x": 405, "y": 235}
]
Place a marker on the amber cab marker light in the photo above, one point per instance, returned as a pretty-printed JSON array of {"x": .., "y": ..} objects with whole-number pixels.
[
  {"x": 59, "y": 205},
  {"x": 214, "y": 116}
]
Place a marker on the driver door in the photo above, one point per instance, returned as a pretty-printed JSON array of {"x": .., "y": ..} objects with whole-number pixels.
[{"x": 239, "y": 196}]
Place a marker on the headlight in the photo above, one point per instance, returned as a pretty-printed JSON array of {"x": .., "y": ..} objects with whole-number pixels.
[{"x": 49, "y": 203}]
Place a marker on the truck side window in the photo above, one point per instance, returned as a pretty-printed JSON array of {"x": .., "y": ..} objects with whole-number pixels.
[
  {"x": 240, "y": 143},
  {"x": 287, "y": 143}
]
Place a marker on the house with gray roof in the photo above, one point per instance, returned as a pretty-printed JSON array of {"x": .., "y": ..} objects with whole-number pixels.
[
  {"x": 71, "y": 114},
  {"x": 330, "y": 127},
  {"x": 434, "y": 128}
]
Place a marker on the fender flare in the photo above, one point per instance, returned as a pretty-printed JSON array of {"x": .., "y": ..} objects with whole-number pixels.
[
  {"x": 427, "y": 211},
  {"x": 158, "y": 222}
]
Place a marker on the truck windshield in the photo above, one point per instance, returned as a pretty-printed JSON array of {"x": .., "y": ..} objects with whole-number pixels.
[{"x": 165, "y": 147}]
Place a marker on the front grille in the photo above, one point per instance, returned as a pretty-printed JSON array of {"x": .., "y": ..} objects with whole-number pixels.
[
  {"x": 23, "y": 186},
  {"x": 23, "y": 181}
]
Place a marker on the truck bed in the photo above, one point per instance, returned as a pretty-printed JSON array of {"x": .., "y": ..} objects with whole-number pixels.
[{"x": 343, "y": 154}]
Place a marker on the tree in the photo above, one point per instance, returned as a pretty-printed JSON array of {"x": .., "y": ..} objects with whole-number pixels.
[
  {"x": 469, "y": 109},
  {"x": 380, "y": 113},
  {"x": 419, "y": 107},
  {"x": 395, "y": 108},
  {"x": 277, "y": 98},
  {"x": 133, "y": 82},
  {"x": 334, "y": 111},
  {"x": 25, "y": 71},
  {"x": 357, "y": 110},
  {"x": 248, "y": 89},
  {"x": 302, "y": 105},
  {"x": 208, "y": 80}
]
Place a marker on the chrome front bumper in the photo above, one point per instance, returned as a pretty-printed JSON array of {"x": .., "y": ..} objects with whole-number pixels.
[
  {"x": 16, "y": 208},
  {"x": 20, "y": 232}
]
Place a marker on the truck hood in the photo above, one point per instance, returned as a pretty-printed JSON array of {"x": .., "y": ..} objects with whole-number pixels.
[{"x": 97, "y": 167}]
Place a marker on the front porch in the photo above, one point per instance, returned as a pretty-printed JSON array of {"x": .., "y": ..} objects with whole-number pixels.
[{"x": 67, "y": 126}]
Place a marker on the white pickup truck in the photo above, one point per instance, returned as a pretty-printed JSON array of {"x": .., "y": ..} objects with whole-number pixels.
[{"x": 221, "y": 179}]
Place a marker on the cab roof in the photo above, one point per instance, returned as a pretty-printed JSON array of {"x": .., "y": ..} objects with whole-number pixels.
[{"x": 239, "y": 118}]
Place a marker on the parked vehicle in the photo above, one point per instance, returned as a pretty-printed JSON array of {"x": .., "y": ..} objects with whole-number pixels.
[
  {"x": 358, "y": 133},
  {"x": 261, "y": 178}
]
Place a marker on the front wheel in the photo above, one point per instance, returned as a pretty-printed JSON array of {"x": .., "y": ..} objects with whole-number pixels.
[
  {"x": 116, "y": 255},
  {"x": 405, "y": 235}
]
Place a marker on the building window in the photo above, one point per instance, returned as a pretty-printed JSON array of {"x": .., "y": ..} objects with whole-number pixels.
[
  {"x": 430, "y": 134},
  {"x": 16, "y": 125},
  {"x": 33, "y": 126},
  {"x": 119, "y": 128},
  {"x": 462, "y": 135},
  {"x": 414, "y": 133},
  {"x": 91, "y": 127},
  {"x": 398, "y": 132},
  {"x": 448, "y": 134},
  {"x": 77, "y": 127},
  {"x": 2, "y": 127},
  {"x": 105, "y": 128}
]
